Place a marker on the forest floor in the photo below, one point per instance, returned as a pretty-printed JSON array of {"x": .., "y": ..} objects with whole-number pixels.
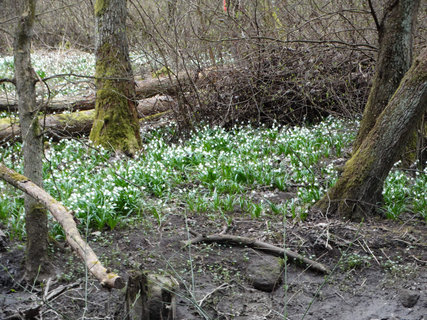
[
  {"x": 378, "y": 270},
  {"x": 378, "y": 267}
]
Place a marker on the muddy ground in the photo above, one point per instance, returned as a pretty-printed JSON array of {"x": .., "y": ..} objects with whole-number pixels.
[{"x": 378, "y": 270}]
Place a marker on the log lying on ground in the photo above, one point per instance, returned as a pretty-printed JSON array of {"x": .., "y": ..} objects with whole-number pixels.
[
  {"x": 65, "y": 219},
  {"x": 259, "y": 245},
  {"x": 79, "y": 123},
  {"x": 144, "y": 89},
  {"x": 56, "y": 105}
]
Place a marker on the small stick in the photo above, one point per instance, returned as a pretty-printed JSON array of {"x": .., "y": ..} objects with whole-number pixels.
[
  {"x": 259, "y": 245},
  {"x": 223, "y": 286}
]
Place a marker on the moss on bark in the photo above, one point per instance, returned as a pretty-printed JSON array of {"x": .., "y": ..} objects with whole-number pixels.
[
  {"x": 394, "y": 58},
  {"x": 116, "y": 125},
  {"x": 358, "y": 192},
  {"x": 100, "y": 6}
]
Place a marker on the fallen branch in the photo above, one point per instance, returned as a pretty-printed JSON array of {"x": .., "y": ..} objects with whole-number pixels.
[
  {"x": 144, "y": 89},
  {"x": 259, "y": 245},
  {"x": 65, "y": 219},
  {"x": 79, "y": 123},
  {"x": 32, "y": 308}
]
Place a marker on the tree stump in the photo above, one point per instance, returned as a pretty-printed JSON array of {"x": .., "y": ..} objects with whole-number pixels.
[{"x": 150, "y": 297}]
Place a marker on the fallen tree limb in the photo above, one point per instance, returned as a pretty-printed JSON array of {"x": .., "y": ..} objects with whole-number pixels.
[
  {"x": 259, "y": 245},
  {"x": 79, "y": 123},
  {"x": 56, "y": 105},
  {"x": 65, "y": 219},
  {"x": 144, "y": 89}
]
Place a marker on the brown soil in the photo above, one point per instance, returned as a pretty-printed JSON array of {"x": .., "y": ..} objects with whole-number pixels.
[{"x": 378, "y": 268}]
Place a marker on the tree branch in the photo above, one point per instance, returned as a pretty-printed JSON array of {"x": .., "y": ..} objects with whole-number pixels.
[
  {"x": 64, "y": 217},
  {"x": 13, "y": 81},
  {"x": 259, "y": 245},
  {"x": 374, "y": 15},
  {"x": 339, "y": 42}
]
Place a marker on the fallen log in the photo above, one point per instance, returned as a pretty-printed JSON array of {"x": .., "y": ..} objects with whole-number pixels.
[
  {"x": 65, "y": 218},
  {"x": 60, "y": 104},
  {"x": 259, "y": 245},
  {"x": 79, "y": 123},
  {"x": 144, "y": 89}
]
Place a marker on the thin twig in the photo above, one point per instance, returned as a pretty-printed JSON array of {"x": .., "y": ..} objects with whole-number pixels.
[
  {"x": 223, "y": 286},
  {"x": 374, "y": 15}
]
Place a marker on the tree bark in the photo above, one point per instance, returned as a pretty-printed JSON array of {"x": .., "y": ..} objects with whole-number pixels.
[
  {"x": 150, "y": 296},
  {"x": 116, "y": 124},
  {"x": 66, "y": 220},
  {"x": 25, "y": 77},
  {"x": 395, "y": 32},
  {"x": 78, "y": 124},
  {"x": 358, "y": 191}
]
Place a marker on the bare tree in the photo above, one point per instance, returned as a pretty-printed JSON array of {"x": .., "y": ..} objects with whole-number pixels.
[{"x": 25, "y": 78}]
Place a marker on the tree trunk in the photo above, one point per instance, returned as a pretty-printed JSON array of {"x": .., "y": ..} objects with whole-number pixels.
[
  {"x": 25, "y": 77},
  {"x": 116, "y": 124},
  {"x": 395, "y": 32},
  {"x": 78, "y": 124},
  {"x": 66, "y": 220},
  {"x": 358, "y": 191}
]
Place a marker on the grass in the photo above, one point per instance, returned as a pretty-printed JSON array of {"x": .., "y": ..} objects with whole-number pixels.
[{"x": 217, "y": 172}]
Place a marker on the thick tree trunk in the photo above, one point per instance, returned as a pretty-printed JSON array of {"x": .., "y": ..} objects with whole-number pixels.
[
  {"x": 395, "y": 32},
  {"x": 66, "y": 220},
  {"x": 358, "y": 191},
  {"x": 78, "y": 124},
  {"x": 116, "y": 124},
  {"x": 35, "y": 215}
]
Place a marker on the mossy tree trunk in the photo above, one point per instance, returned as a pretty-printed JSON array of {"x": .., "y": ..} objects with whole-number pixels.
[
  {"x": 358, "y": 191},
  {"x": 116, "y": 124},
  {"x": 25, "y": 77},
  {"x": 395, "y": 32}
]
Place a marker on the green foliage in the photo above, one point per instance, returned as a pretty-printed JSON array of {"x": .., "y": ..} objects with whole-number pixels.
[
  {"x": 163, "y": 71},
  {"x": 354, "y": 261},
  {"x": 403, "y": 193},
  {"x": 217, "y": 172}
]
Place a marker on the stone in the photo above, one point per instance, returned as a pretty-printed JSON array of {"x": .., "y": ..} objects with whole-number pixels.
[
  {"x": 265, "y": 273},
  {"x": 409, "y": 298},
  {"x": 3, "y": 241}
]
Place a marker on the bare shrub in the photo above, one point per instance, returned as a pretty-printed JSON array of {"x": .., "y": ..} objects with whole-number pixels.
[
  {"x": 284, "y": 61},
  {"x": 59, "y": 23},
  {"x": 287, "y": 85},
  {"x": 261, "y": 62}
]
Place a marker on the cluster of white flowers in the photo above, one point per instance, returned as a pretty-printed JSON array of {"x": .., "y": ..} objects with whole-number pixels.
[{"x": 212, "y": 170}]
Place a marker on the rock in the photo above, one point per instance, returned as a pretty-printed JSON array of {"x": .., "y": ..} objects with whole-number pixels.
[
  {"x": 265, "y": 272},
  {"x": 409, "y": 298},
  {"x": 3, "y": 241}
]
